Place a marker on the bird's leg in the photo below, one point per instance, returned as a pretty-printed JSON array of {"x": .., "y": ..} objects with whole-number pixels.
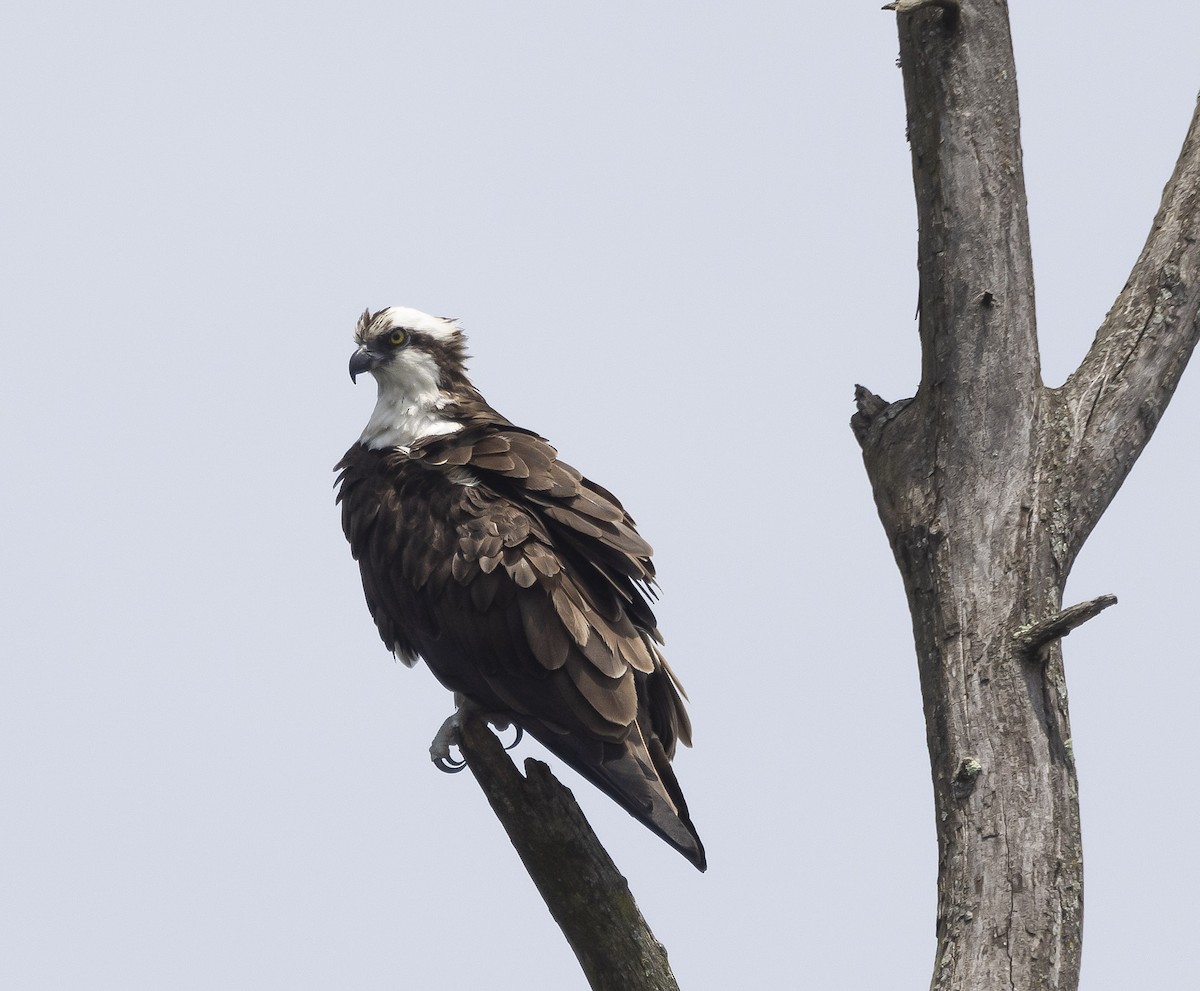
[{"x": 450, "y": 733}]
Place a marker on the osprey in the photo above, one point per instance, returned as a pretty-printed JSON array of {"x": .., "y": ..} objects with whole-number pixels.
[{"x": 522, "y": 584}]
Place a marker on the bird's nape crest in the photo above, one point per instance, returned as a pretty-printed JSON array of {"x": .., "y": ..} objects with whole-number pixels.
[{"x": 364, "y": 324}]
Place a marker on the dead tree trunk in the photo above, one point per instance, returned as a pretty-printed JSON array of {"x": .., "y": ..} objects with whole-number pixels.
[{"x": 988, "y": 483}]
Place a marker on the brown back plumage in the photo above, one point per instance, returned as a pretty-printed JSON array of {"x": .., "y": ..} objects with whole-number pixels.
[{"x": 524, "y": 586}]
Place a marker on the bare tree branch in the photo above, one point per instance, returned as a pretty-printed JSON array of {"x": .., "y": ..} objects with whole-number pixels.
[
  {"x": 588, "y": 897},
  {"x": 964, "y": 129},
  {"x": 1034, "y": 636},
  {"x": 1109, "y": 407}
]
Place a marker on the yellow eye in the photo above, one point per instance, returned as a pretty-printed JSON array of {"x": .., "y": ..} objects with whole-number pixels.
[{"x": 396, "y": 337}]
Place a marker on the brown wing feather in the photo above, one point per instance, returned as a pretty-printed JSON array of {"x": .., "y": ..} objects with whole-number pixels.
[{"x": 524, "y": 591}]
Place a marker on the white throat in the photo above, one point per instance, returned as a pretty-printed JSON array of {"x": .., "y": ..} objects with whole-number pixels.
[{"x": 409, "y": 407}]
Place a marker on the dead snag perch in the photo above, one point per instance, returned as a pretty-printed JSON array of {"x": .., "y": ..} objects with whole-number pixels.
[
  {"x": 987, "y": 484},
  {"x": 588, "y": 897}
]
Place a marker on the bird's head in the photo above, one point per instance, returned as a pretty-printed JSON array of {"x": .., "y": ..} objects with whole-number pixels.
[
  {"x": 419, "y": 362},
  {"x": 408, "y": 351}
]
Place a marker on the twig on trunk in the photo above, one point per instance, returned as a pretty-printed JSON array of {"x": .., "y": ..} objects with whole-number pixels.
[
  {"x": 950, "y": 9},
  {"x": 1031, "y": 638}
]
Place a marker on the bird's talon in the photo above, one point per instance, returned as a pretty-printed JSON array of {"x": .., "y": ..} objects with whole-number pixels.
[
  {"x": 516, "y": 739},
  {"x": 446, "y": 763}
]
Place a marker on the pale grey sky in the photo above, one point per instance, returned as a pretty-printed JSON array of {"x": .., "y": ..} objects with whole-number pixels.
[{"x": 677, "y": 235}]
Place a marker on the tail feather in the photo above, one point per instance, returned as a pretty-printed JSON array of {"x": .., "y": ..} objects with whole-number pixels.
[{"x": 638, "y": 776}]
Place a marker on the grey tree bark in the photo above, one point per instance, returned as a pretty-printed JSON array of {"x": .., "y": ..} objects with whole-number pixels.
[
  {"x": 586, "y": 894},
  {"x": 987, "y": 484}
]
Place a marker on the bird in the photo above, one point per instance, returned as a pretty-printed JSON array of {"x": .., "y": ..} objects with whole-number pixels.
[{"x": 523, "y": 585}]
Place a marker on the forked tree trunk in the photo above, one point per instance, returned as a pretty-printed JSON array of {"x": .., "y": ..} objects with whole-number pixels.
[{"x": 988, "y": 483}]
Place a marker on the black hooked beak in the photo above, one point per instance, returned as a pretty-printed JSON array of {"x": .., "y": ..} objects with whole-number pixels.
[{"x": 363, "y": 360}]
